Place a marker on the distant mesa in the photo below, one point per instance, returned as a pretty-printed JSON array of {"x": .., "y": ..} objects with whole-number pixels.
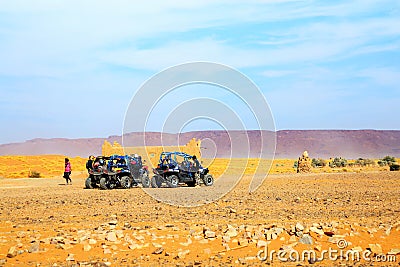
[{"x": 350, "y": 144}]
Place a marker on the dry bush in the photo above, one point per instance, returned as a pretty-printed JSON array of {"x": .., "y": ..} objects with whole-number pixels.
[{"x": 34, "y": 174}]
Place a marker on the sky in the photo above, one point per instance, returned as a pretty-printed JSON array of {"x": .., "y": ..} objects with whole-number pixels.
[{"x": 70, "y": 68}]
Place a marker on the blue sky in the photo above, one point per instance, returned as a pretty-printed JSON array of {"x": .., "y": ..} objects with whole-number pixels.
[{"x": 70, "y": 68}]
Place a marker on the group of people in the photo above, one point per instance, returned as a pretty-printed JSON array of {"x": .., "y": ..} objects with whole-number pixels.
[
  {"x": 185, "y": 165},
  {"x": 90, "y": 164}
]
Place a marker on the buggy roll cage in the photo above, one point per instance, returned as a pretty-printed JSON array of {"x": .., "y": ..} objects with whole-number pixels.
[{"x": 164, "y": 155}]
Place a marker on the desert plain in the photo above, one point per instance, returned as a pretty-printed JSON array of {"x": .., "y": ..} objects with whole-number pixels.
[{"x": 44, "y": 222}]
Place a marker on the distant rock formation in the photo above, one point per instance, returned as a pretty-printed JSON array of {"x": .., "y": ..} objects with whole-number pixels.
[
  {"x": 151, "y": 153},
  {"x": 304, "y": 163}
]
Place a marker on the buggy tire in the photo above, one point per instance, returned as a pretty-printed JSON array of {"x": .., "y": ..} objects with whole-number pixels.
[
  {"x": 126, "y": 182},
  {"x": 208, "y": 180},
  {"x": 156, "y": 181},
  {"x": 173, "y": 181},
  {"x": 88, "y": 183},
  {"x": 103, "y": 183},
  {"x": 145, "y": 180}
]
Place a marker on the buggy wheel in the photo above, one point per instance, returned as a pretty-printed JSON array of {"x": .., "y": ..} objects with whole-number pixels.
[
  {"x": 208, "y": 180},
  {"x": 145, "y": 180},
  {"x": 88, "y": 183},
  {"x": 126, "y": 182},
  {"x": 103, "y": 183},
  {"x": 156, "y": 181},
  {"x": 173, "y": 181}
]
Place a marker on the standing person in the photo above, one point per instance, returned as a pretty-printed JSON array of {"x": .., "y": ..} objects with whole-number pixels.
[
  {"x": 67, "y": 171},
  {"x": 196, "y": 163},
  {"x": 89, "y": 163}
]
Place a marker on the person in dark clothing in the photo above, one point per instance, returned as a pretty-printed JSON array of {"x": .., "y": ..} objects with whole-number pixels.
[
  {"x": 89, "y": 163},
  {"x": 67, "y": 171},
  {"x": 196, "y": 163}
]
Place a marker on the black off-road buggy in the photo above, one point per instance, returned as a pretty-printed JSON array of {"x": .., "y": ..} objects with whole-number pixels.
[
  {"x": 118, "y": 172},
  {"x": 175, "y": 168}
]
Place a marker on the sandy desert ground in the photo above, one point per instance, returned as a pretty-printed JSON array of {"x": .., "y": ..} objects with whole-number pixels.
[{"x": 46, "y": 223}]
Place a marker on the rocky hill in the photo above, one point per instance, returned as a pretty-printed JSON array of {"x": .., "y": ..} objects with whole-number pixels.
[{"x": 290, "y": 143}]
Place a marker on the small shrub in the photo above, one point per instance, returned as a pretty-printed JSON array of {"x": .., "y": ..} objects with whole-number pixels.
[
  {"x": 296, "y": 164},
  {"x": 34, "y": 174},
  {"x": 387, "y": 161},
  {"x": 338, "y": 163},
  {"x": 364, "y": 162},
  {"x": 318, "y": 163}
]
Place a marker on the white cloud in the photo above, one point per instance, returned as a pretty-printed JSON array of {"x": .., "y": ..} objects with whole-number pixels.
[
  {"x": 58, "y": 37},
  {"x": 382, "y": 77}
]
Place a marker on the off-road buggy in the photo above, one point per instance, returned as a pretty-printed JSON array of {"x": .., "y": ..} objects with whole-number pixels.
[
  {"x": 175, "y": 168},
  {"x": 98, "y": 171},
  {"x": 118, "y": 172}
]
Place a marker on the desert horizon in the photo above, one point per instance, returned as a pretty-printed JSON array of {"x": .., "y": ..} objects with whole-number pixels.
[{"x": 326, "y": 144}]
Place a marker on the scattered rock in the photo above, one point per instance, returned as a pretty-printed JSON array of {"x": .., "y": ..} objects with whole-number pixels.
[
  {"x": 182, "y": 254},
  {"x": 299, "y": 227},
  {"x": 87, "y": 247},
  {"x": 113, "y": 222},
  {"x": 226, "y": 239},
  {"x": 375, "y": 248},
  {"x": 92, "y": 241},
  {"x": 329, "y": 233},
  {"x": 70, "y": 257},
  {"x": 158, "y": 251},
  {"x": 112, "y": 237},
  {"x": 231, "y": 233},
  {"x": 243, "y": 242},
  {"x": 34, "y": 248},
  {"x": 306, "y": 239},
  {"x": 209, "y": 234},
  {"x": 388, "y": 230},
  {"x": 12, "y": 252},
  {"x": 120, "y": 234},
  {"x": 317, "y": 231}
]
